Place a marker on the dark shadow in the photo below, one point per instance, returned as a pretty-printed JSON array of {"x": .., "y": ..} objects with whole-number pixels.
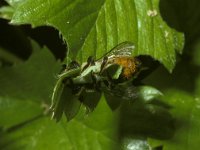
[
  {"x": 148, "y": 65},
  {"x": 14, "y": 39},
  {"x": 158, "y": 147},
  {"x": 2, "y": 3},
  {"x": 183, "y": 77},
  {"x": 171, "y": 13},
  {"x": 49, "y": 37},
  {"x": 184, "y": 16}
]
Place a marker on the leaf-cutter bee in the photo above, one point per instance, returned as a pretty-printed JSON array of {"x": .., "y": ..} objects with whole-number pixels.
[
  {"x": 122, "y": 55},
  {"x": 97, "y": 76}
]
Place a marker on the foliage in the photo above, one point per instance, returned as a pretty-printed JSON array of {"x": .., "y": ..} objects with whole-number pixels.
[{"x": 154, "y": 120}]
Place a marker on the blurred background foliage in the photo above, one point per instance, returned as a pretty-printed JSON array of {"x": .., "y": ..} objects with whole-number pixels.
[{"x": 170, "y": 123}]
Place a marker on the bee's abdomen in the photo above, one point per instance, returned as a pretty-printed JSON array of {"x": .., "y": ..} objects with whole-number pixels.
[{"x": 129, "y": 65}]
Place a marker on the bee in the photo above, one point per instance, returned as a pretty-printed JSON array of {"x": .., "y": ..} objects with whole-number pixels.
[
  {"x": 87, "y": 79},
  {"x": 122, "y": 56}
]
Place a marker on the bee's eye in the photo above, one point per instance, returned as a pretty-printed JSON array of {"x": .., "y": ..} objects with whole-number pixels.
[
  {"x": 138, "y": 63},
  {"x": 74, "y": 64}
]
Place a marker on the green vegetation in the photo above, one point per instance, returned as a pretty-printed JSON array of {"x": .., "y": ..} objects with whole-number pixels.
[{"x": 38, "y": 36}]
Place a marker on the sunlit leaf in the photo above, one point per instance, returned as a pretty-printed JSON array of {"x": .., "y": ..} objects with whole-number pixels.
[
  {"x": 6, "y": 12},
  {"x": 99, "y": 25}
]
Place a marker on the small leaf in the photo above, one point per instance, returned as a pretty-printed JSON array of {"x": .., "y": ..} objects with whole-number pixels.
[
  {"x": 145, "y": 120},
  {"x": 6, "y": 12},
  {"x": 148, "y": 93},
  {"x": 67, "y": 103},
  {"x": 135, "y": 144}
]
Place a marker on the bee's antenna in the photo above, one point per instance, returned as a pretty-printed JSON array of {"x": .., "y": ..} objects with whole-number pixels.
[
  {"x": 90, "y": 62},
  {"x": 104, "y": 61}
]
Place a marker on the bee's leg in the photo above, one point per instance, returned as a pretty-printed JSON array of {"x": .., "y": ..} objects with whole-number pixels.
[
  {"x": 105, "y": 60},
  {"x": 109, "y": 84},
  {"x": 81, "y": 98},
  {"x": 81, "y": 95},
  {"x": 75, "y": 89},
  {"x": 96, "y": 83},
  {"x": 90, "y": 62}
]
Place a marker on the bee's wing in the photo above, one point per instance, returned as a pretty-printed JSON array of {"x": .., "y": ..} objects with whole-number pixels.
[
  {"x": 126, "y": 93},
  {"x": 114, "y": 96},
  {"x": 122, "y": 49}
]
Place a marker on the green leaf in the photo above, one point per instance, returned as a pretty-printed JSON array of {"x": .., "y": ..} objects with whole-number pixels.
[
  {"x": 32, "y": 76},
  {"x": 178, "y": 89},
  {"x": 145, "y": 120},
  {"x": 135, "y": 144},
  {"x": 14, "y": 3},
  {"x": 6, "y": 12},
  {"x": 186, "y": 111},
  {"x": 148, "y": 93},
  {"x": 67, "y": 103},
  {"x": 62, "y": 97},
  {"x": 8, "y": 57},
  {"x": 91, "y": 28},
  {"x": 181, "y": 92},
  {"x": 22, "y": 102},
  {"x": 27, "y": 87},
  {"x": 81, "y": 133},
  {"x": 12, "y": 111}
]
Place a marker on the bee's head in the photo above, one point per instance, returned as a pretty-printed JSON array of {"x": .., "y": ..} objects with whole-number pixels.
[{"x": 138, "y": 63}]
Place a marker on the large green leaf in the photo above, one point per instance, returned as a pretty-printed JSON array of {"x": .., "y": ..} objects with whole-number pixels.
[
  {"x": 29, "y": 128},
  {"x": 186, "y": 111},
  {"x": 182, "y": 93},
  {"x": 31, "y": 76},
  {"x": 91, "y": 28},
  {"x": 14, "y": 112},
  {"x": 6, "y": 12},
  {"x": 178, "y": 91},
  {"x": 26, "y": 89},
  {"x": 81, "y": 133}
]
